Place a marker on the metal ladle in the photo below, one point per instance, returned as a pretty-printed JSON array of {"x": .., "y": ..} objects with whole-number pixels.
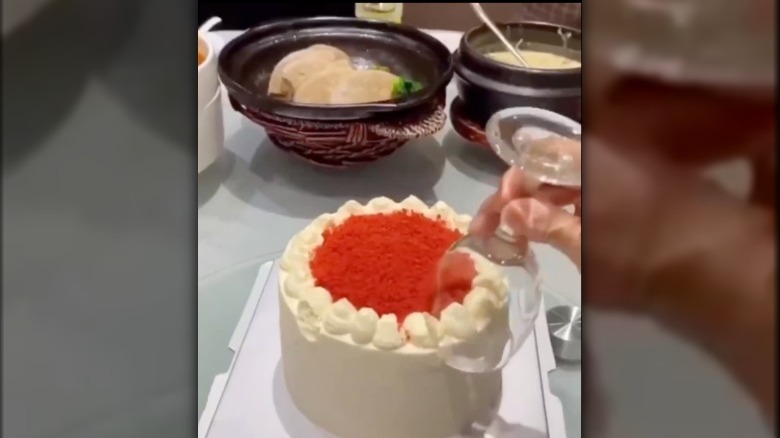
[{"x": 489, "y": 23}]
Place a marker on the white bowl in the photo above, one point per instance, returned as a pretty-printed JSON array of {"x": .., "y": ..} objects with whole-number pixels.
[
  {"x": 208, "y": 82},
  {"x": 211, "y": 132}
]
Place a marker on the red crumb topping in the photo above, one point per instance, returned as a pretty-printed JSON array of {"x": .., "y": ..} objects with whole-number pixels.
[{"x": 388, "y": 262}]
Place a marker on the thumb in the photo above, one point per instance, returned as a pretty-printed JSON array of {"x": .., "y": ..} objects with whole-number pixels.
[{"x": 544, "y": 223}]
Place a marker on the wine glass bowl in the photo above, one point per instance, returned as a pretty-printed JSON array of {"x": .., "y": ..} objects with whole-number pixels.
[
  {"x": 524, "y": 137},
  {"x": 506, "y": 332}
]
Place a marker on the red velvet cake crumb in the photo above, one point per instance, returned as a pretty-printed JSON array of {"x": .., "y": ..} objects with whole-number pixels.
[{"x": 388, "y": 262}]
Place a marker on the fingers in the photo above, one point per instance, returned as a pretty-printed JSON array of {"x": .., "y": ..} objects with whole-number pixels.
[
  {"x": 558, "y": 196},
  {"x": 655, "y": 227},
  {"x": 515, "y": 184},
  {"x": 619, "y": 213},
  {"x": 488, "y": 218},
  {"x": 710, "y": 274},
  {"x": 545, "y": 223}
]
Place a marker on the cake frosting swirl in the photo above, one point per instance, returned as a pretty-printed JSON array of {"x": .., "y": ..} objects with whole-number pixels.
[{"x": 318, "y": 314}]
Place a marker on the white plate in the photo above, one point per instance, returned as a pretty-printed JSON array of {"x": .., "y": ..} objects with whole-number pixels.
[{"x": 251, "y": 400}]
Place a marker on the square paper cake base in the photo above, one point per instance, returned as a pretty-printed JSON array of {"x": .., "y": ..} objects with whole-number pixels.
[{"x": 250, "y": 400}]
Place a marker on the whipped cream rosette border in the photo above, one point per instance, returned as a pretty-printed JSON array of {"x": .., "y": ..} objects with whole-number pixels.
[{"x": 317, "y": 315}]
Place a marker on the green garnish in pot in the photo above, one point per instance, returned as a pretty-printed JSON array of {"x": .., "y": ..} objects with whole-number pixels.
[{"x": 404, "y": 87}]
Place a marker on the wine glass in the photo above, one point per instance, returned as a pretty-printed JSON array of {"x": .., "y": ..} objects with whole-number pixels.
[{"x": 521, "y": 137}]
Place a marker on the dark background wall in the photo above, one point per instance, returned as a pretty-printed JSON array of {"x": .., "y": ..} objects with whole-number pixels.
[
  {"x": 459, "y": 16},
  {"x": 448, "y": 16}
]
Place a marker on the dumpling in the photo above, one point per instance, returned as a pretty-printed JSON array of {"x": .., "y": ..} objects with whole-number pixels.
[
  {"x": 307, "y": 65},
  {"x": 318, "y": 88},
  {"x": 276, "y": 84},
  {"x": 363, "y": 86},
  {"x": 337, "y": 53},
  {"x": 324, "y": 75}
]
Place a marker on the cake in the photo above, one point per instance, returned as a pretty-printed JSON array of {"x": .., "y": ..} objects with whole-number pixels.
[{"x": 360, "y": 347}]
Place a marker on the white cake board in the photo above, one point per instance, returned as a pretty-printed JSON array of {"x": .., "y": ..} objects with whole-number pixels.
[{"x": 250, "y": 400}]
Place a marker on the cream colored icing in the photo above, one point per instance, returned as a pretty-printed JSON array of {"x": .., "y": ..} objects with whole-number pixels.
[{"x": 318, "y": 315}]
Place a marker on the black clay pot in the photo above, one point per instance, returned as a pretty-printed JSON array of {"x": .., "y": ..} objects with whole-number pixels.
[
  {"x": 486, "y": 86},
  {"x": 339, "y": 135},
  {"x": 246, "y": 63}
]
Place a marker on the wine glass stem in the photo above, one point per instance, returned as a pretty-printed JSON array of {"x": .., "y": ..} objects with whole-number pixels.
[{"x": 505, "y": 249}]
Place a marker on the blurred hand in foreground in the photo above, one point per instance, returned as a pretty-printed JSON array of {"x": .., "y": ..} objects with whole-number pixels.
[
  {"x": 664, "y": 241},
  {"x": 697, "y": 259}
]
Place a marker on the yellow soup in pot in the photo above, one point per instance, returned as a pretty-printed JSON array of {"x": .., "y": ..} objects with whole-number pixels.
[{"x": 536, "y": 59}]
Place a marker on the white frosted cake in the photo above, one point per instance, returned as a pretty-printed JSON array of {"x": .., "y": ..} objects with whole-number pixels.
[{"x": 360, "y": 348}]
